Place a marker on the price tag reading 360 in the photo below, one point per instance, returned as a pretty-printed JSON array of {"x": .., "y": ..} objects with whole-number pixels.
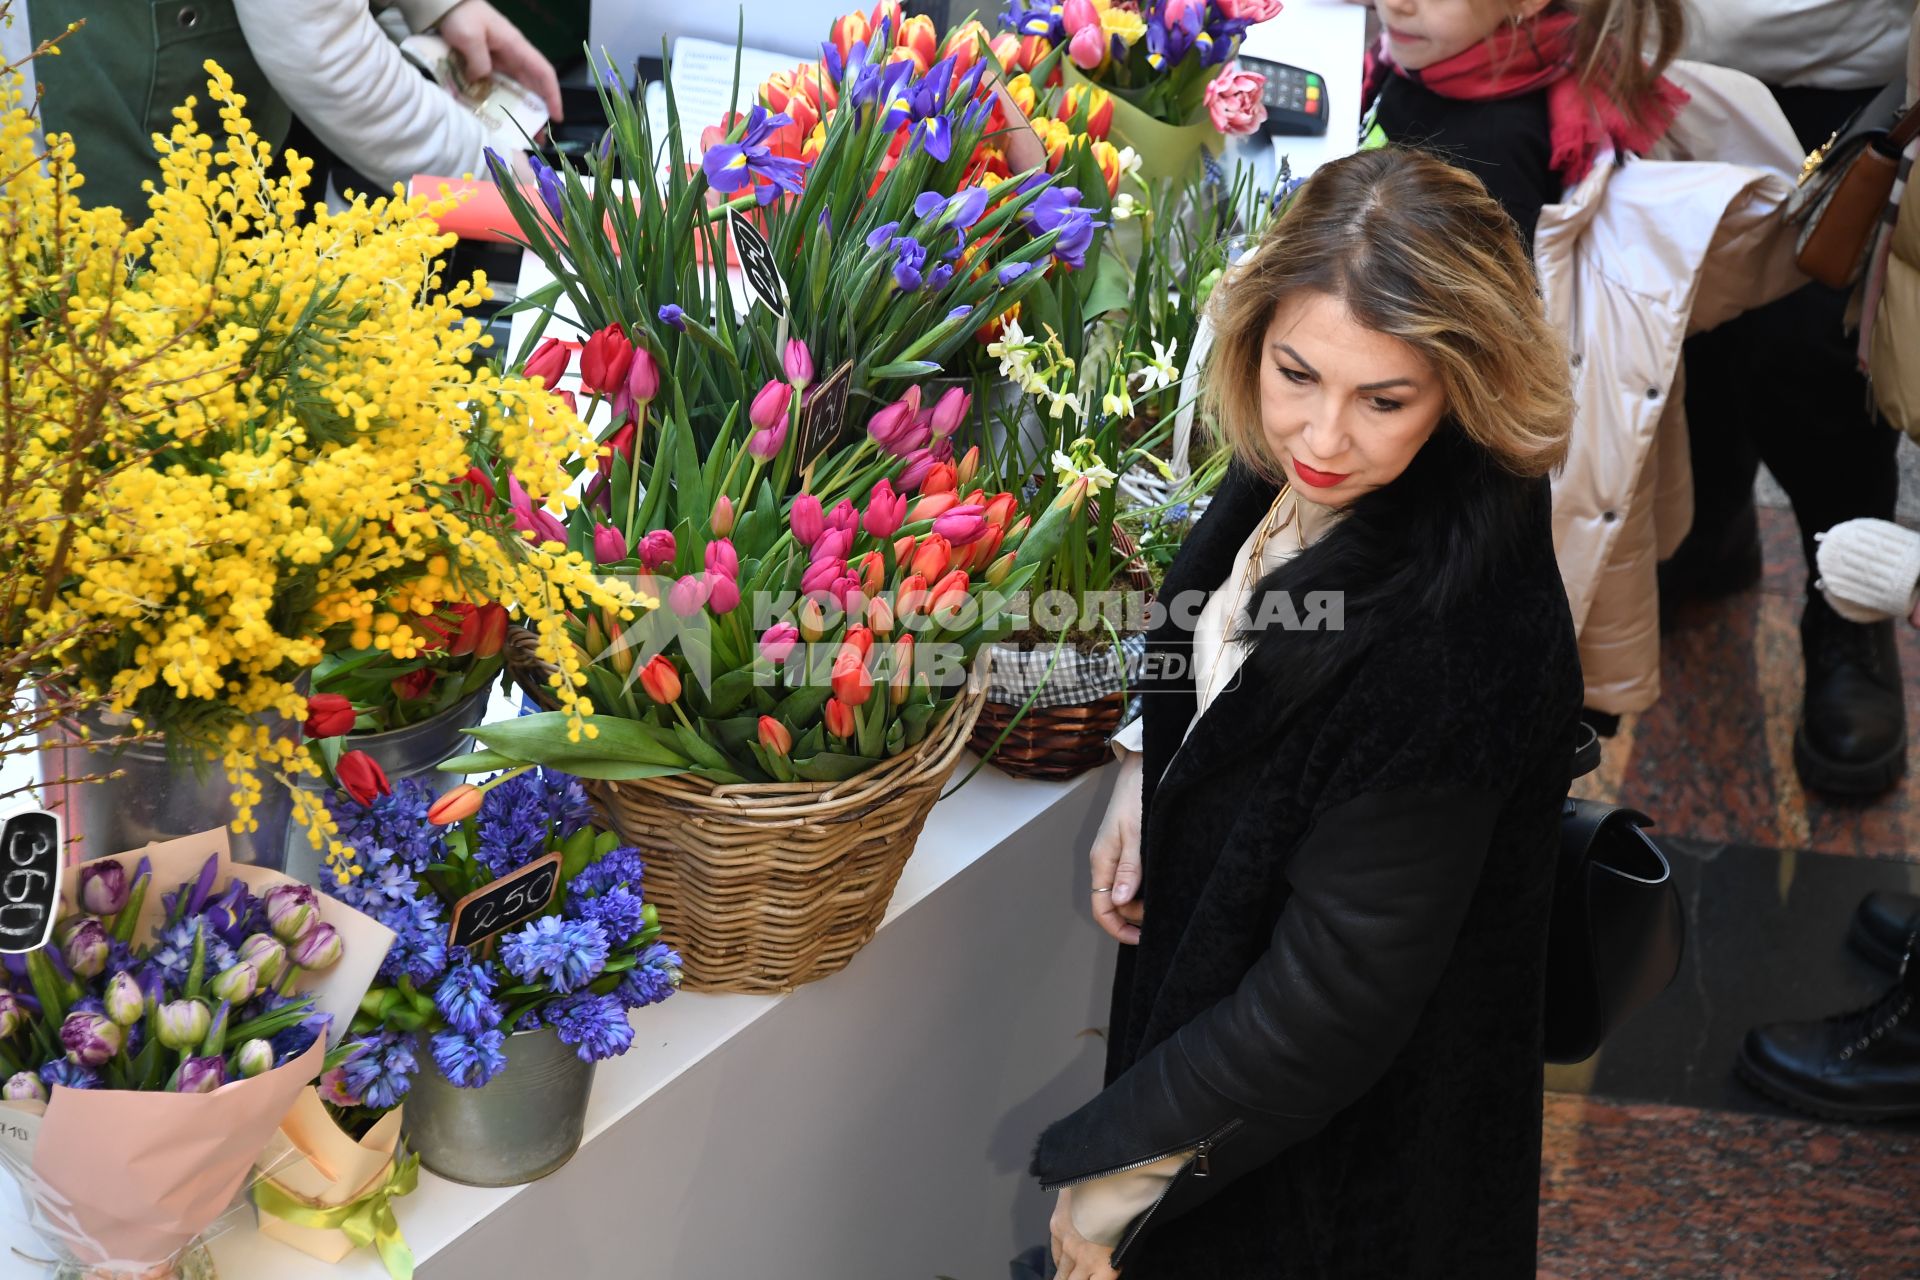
[{"x": 513, "y": 899}]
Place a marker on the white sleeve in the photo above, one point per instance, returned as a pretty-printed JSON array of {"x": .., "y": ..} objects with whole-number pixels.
[
  {"x": 421, "y": 15},
  {"x": 1131, "y": 738},
  {"x": 339, "y": 73}
]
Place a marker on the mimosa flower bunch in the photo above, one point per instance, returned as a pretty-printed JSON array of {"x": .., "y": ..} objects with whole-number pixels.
[{"x": 292, "y": 448}]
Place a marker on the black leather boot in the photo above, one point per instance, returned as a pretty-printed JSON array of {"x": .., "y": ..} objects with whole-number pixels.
[
  {"x": 1884, "y": 925},
  {"x": 1862, "y": 1066},
  {"x": 1852, "y": 740}
]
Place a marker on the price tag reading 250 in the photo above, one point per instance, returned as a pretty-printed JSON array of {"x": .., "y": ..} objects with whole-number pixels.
[{"x": 512, "y": 899}]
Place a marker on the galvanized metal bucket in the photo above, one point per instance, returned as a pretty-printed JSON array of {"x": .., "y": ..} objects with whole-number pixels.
[
  {"x": 411, "y": 752},
  {"x": 153, "y": 797},
  {"x": 521, "y": 1125}
]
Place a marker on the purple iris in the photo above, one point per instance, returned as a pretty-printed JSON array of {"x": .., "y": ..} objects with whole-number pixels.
[
  {"x": 910, "y": 257},
  {"x": 961, "y": 209},
  {"x": 729, "y": 166},
  {"x": 1042, "y": 20},
  {"x": 881, "y": 234},
  {"x": 1013, "y": 271},
  {"x": 549, "y": 184},
  {"x": 673, "y": 317},
  {"x": 1058, "y": 209},
  {"x": 934, "y": 135}
]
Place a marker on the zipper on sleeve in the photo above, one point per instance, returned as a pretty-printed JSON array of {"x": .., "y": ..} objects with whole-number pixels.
[
  {"x": 1201, "y": 1149},
  {"x": 1201, "y": 1167}
]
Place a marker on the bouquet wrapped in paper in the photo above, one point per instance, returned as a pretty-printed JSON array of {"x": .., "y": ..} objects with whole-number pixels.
[
  {"x": 328, "y": 1192},
  {"x": 154, "y": 1045}
]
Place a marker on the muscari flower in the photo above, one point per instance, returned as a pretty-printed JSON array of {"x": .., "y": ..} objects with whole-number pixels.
[
  {"x": 567, "y": 954},
  {"x": 596, "y": 1026},
  {"x": 469, "y": 1061}
]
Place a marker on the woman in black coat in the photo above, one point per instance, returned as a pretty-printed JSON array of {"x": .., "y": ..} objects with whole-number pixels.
[{"x": 1325, "y": 1051}]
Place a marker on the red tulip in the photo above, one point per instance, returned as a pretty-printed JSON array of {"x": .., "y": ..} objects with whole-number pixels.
[
  {"x": 903, "y": 548},
  {"x": 942, "y": 477},
  {"x": 660, "y": 680},
  {"x": 917, "y": 33},
  {"x": 606, "y": 360},
  {"x": 483, "y": 630},
  {"x": 329, "y": 715},
  {"x": 859, "y": 640},
  {"x": 873, "y": 573},
  {"x": 1000, "y": 509},
  {"x": 969, "y": 465},
  {"x": 457, "y": 805},
  {"x": 550, "y": 362},
  {"x": 362, "y": 777},
  {"x": 774, "y": 736},
  {"x": 839, "y": 718},
  {"x": 852, "y": 682},
  {"x": 949, "y": 594},
  {"x": 479, "y": 488},
  {"x": 932, "y": 557},
  {"x": 849, "y": 30},
  {"x": 911, "y": 598},
  {"x": 415, "y": 685}
]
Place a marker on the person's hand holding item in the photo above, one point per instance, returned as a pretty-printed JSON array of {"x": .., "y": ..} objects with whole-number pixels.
[
  {"x": 1115, "y": 856},
  {"x": 487, "y": 42},
  {"x": 1077, "y": 1257}
]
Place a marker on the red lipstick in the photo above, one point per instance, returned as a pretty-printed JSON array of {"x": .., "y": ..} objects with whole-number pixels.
[{"x": 1318, "y": 479}]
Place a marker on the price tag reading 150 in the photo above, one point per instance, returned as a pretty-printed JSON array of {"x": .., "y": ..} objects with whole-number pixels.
[{"x": 513, "y": 899}]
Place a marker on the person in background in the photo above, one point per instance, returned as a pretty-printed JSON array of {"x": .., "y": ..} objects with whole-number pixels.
[
  {"x": 1324, "y": 1055},
  {"x": 1550, "y": 104},
  {"x": 1865, "y": 1064},
  {"x": 1782, "y": 385},
  {"x": 118, "y": 79}
]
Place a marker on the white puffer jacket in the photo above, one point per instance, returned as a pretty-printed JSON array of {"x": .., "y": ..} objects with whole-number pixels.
[{"x": 1631, "y": 261}]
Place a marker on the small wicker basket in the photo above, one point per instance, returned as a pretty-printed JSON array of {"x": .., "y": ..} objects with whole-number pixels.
[{"x": 762, "y": 887}]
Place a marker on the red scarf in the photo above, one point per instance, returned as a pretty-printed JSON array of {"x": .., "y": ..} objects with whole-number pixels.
[{"x": 1539, "y": 54}]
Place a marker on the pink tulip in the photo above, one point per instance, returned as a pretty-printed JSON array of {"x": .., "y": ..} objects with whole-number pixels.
[
  {"x": 1078, "y": 15},
  {"x": 641, "y": 386},
  {"x": 778, "y": 641},
  {"x": 766, "y": 445},
  {"x": 532, "y": 520},
  {"x": 820, "y": 575},
  {"x": 770, "y": 406},
  {"x": 849, "y": 594},
  {"x": 806, "y": 519},
  {"x": 893, "y": 425},
  {"x": 657, "y": 548},
  {"x": 1250, "y": 10},
  {"x": 1234, "y": 101},
  {"x": 689, "y": 595},
  {"x": 918, "y": 464},
  {"x": 834, "y": 544},
  {"x": 798, "y": 364},
  {"x": 609, "y": 544},
  {"x": 843, "y": 516},
  {"x": 722, "y": 517},
  {"x": 962, "y": 525},
  {"x": 950, "y": 412},
  {"x": 722, "y": 559},
  {"x": 723, "y": 593},
  {"x": 886, "y": 511},
  {"x": 549, "y": 362},
  {"x": 1088, "y": 48}
]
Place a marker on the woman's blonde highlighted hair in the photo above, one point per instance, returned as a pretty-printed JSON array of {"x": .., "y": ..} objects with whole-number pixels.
[{"x": 1419, "y": 251}]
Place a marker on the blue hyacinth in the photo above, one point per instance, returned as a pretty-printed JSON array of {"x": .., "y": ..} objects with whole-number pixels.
[
  {"x": 465, "y": 996},
  {"x": 469, "y": 1061},
  {"x": 596, "y": 1026},
  {"x": 567, "y": 954},
  {"x": 655, "y": 977},
  {"x": 381, "y": 1076}
]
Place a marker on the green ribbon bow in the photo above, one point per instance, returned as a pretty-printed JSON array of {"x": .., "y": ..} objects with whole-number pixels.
[{"x": 366, "y": 1220}]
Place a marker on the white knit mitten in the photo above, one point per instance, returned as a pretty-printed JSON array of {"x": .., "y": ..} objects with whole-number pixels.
[{"x": 1869, "y": 569}]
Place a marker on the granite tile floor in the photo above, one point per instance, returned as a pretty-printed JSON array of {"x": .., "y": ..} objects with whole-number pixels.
[{"x": 1658, "y": 1162}]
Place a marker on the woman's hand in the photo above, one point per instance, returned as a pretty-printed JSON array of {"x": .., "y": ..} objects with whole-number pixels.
[
  {"x": 486, "y": 40},
  {"x": 1115, "y": 857},
  {"x": 1077, "y": 1257}
]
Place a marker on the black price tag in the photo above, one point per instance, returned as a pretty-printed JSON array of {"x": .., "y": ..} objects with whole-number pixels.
[
  {"x": 514, "y": 898},
  {"x": 825, "y": 416},
  {"x": 757, "y": 265},
  {"x": 29, "y": 879}
]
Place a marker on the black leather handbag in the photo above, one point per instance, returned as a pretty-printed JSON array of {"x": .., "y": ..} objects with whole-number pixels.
[{"x": 1617, "y": 931}]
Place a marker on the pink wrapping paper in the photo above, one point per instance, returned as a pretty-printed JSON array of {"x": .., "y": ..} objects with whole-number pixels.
[{"x": 128, "y": 1179}]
